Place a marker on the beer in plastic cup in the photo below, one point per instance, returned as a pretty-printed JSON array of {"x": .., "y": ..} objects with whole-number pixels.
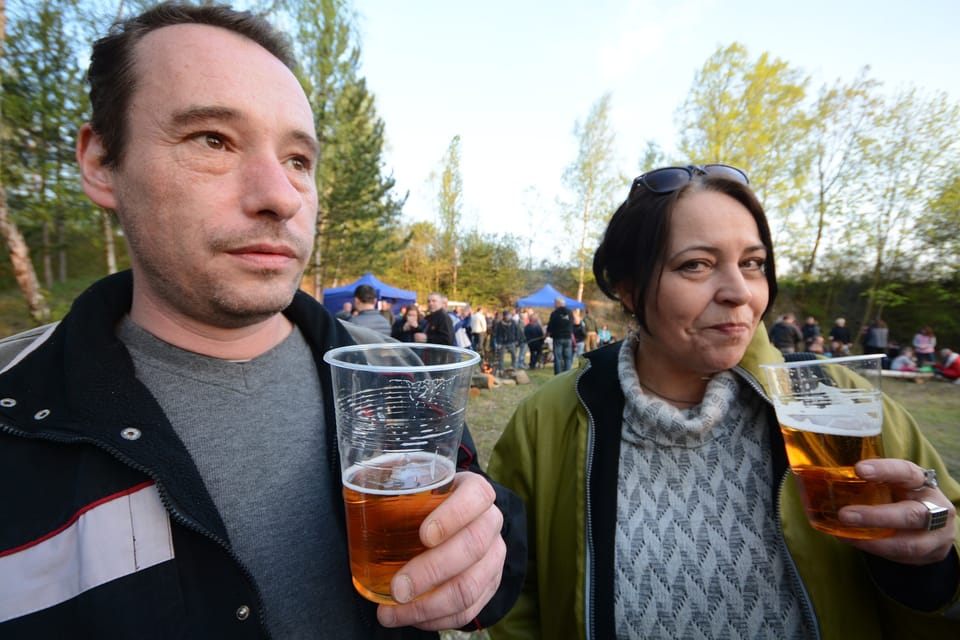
[
  {"x": 400, "y": 410},
  {"x": 831, "y": 416}
]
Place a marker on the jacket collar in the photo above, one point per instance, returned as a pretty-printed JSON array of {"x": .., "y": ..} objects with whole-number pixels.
[{"x": 80, "y": 386}]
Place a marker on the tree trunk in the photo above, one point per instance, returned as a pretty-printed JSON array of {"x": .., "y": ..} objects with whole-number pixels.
[
  {"x": 109, "y": 246},
  {"x": 46, "y": 259},
  {"x": 22, "y": 267}
]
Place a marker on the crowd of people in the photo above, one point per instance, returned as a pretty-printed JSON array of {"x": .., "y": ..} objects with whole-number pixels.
[
  {"x": 168, "y": 450},
  {"x": 509, "y": 339},
  {"x": 920, "y": 355}
]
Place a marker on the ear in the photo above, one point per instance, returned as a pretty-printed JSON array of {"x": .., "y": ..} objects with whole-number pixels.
[
  {"x": 625, "y": 296},
  {"x": 97, "y": 179}
]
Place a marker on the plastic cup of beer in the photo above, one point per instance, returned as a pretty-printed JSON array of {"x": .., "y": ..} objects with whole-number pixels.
[
  {"x": 400, "y": 410},
  {"x": 831, "y": 415}
]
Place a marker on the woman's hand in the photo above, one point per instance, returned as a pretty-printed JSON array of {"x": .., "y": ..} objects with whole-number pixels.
[{"x": 913, "y": 543}]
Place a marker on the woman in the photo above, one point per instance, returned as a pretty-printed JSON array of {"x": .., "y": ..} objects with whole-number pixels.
[
  {"x": 655, "y": 476},
  {"x": 925, "y": 346},
  {"x": 579, "y": 333},
  {"x": 412, "y": 324}
]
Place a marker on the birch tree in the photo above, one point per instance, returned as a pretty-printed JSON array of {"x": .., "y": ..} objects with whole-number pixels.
[{"x": 594, "y": 183}]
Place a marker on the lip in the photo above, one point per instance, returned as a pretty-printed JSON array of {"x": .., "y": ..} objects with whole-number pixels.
[
  {"x": 731, "y": 328},
  {"x": 266, "y": 249},
  {"x": 265, "y": 255}
]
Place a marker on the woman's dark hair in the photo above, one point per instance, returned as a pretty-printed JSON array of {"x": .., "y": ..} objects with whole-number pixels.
[
  {"x": 112, "y": 74},
  {"x": 630, "y": 256}
]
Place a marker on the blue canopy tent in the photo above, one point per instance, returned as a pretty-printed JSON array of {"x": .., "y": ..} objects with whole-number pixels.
[
  {"x": 334, "y": 297},
  {"x": 545, "y": 298}
]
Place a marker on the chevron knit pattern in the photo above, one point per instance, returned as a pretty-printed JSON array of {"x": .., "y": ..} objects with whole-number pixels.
[{"x": 697, "y": 549}]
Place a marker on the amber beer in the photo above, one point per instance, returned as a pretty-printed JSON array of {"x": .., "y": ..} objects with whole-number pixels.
[
  {"x": 387, "y": 499},
  {"x": 823, "y": 464}
]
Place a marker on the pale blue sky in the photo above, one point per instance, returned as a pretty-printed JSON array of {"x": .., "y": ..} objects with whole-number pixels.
[{"x": 512, "y": 77}]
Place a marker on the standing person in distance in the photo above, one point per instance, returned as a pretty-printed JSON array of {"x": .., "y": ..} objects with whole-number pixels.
[
  {"x": 785, "y": 335},
  {"x": 533, "y": 334},
  {"x": 925, "y": 346},
  {"x": 478, "y": 329},
  {"x": 810, "y": 331},
  {"x": 560, "y": 330},
  {"x": 579, "y": 334},
  {"x": 840, "y": 339},
  {"x": 439, "y": 329},
  {"x": 407, "y": 327},
  {"x": 365, "y": 303},
  {"x": 659, "y": 500},
  {"x": 168, "y": 459}
]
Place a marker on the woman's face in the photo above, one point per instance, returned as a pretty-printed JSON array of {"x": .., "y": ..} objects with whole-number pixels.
[
  {"x": 413, "y": 316},
  {"x": 712, "y": 289}
]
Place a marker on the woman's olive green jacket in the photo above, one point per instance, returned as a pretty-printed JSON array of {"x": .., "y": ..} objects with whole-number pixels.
[{"x": 560, "y": 453}]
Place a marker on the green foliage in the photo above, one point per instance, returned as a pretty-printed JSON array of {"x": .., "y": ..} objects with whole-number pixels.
[
  {"x": 358, "y": 214},
  {"x": 593, "y": 180},
  {"x": 750, "y": 114},
  {"x": 449, "y": 185},
  {"x": 41, "y": 107}
]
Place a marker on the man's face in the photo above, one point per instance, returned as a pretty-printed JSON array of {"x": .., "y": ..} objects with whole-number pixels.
[
  {"x": 434, "y": 303},
  {"x": 216, "y": 190}
]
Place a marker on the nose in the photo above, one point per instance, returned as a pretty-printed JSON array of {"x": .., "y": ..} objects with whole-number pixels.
[
  {"x": 733, "y": 288},
  {"x": 269, "y": 188}
]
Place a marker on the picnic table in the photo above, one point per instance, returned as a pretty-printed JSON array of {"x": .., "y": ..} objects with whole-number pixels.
[{"x": 917, "y": 376}]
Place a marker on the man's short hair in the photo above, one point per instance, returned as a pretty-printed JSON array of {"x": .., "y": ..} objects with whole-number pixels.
[
  {"x": 365, "y": 294},
  {"x": 112, "y": 74}
]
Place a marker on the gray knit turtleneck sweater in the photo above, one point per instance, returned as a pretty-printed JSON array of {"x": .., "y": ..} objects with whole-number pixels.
[{"x": 697, "y": 549}]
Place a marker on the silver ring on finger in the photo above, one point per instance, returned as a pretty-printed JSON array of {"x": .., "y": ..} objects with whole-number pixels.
[
  {"x": 929, "y": 480},
  {"x": 936, "y": 515}
]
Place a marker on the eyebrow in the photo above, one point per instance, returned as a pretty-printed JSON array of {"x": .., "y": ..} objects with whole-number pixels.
[
  {"x": 201, "y": 114},
  {"x": 715, "y": 250}
]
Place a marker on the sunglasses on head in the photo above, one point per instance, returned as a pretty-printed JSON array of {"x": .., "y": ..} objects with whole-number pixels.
[{"x": 669, "y": 179}]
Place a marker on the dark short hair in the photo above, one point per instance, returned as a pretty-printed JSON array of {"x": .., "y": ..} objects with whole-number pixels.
[
  {"x": 631, "y": 254},
  {"x": 112, "y": 73},
  {"x": 365, "y": 293}
]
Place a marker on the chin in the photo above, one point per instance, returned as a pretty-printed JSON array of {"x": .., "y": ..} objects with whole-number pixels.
[{"x": 723, "y": 359}]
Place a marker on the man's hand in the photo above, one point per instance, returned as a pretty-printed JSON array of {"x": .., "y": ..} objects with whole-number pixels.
[{"x": 462, "y": 566}]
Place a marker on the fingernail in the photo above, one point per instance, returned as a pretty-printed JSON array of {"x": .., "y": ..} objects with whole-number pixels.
[
  {"x": 866, "y": 469},
  {"x": 850, "y": 517},
  {"x": 433, "y": 534},
  {"x": 386, "y": 615},
  {"x": 402, "y": 588}
]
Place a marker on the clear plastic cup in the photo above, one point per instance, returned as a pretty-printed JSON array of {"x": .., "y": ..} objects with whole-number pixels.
[{"x": 400, "y": 412}]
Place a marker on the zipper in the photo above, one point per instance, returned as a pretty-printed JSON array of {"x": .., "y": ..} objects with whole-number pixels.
[
  {"x": 808, "y": 611},
  {"x": 164, "y": 499},
  {"x": 590, "y": 595}
]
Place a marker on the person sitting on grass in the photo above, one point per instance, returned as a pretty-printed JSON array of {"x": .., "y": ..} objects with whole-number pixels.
[{"x": 950, "y": 369}]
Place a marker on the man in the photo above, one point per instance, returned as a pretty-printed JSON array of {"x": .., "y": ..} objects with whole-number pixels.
[
  {"x": 167, "y": 452},
  {"x": 533, "y": 336},
  {"x": 507, "y": 336},
  {"x": 840, "y": 339},
  {"x": 785, "y": 335},
  {"x": 523, "y": 348},
  {"x": 346, "y": 311},
  {"x": 439, "y": 325},
  {"x": 365, "y": 302},
  {"x": 560, "y": 330},
  {"x": 810, "y": 331},
  {"x": 478, "y": 329}
]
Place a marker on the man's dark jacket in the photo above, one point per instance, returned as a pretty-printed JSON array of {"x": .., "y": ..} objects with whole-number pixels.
[{"x": 80, "y": 437}]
